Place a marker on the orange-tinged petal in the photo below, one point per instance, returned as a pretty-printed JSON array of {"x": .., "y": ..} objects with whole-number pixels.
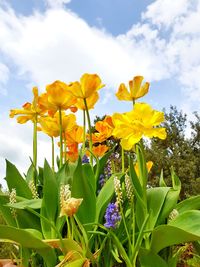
[
  {"x": 149, "y": 165},
  {"x": 122, "y": 93},
  {"x": 70, "y": 206},
  {"x": 99, "y": 150},
  {"x": 75, "y": 135},
  {"x": 136, "y": 89},
  {"x": 24, "y": 119}
]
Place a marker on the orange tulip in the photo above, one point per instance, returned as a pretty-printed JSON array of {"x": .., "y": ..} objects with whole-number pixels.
[
  {"x": 98, "y": 151},
  {"x": 75, "y": 135},
  {"x": 104, "y": 128}
]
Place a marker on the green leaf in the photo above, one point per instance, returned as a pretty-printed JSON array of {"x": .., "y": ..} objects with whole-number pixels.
[
  {"x": 102, "y": 162},
  {"x": 50, "y": 193},
  {"x": 184, "y": 228},
  {"x": 31, "y": 203},
  {"x": 49, "y": 201},
  {"x": 82, "y": 188},
  {"x": 24, "y": 218},
  {"x": 104, "y": 197},
  {"x": 5, "y": 211},
  {"x": 169, "y": 204},
  {"x": 27, "y": 240},
  {"x": 192, "y": 203},
  {"x": 150, "y": 259},
  {"x": 15, "y": 180},
  {"x": 65, "y": 174},
  {"x": 30, "y": 173},
  {"x": 176, "y": 183},
  {"x": 135, "y": 180},
  {"x": 155, "y": 200},
  {"x": 88, "y": 171},
  {"x": 161, "y": 180}
]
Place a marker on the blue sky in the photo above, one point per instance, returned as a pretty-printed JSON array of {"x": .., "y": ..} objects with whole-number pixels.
[{"x": 45, "y": 40}]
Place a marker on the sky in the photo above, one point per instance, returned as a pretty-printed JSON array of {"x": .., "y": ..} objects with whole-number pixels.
[{"x": 46, "y": 40}]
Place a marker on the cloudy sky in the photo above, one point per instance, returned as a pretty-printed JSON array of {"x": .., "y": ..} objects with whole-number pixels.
[{"x": 46, "y": 40}]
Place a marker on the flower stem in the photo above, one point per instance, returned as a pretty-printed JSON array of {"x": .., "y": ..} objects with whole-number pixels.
[
  {"x": 90, "y": 132},
  {"x": 123, "y": 168},
  {"x": 52, "y": 153},
  {"x": 35, "y": 151},
  {"x": 61, "y": 139},
  {"x": 84, "y": 133}
]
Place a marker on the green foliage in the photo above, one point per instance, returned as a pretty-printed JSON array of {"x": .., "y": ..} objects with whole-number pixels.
[{"x": 179, "y": 151}]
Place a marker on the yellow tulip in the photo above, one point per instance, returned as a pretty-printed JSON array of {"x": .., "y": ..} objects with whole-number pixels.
[
  {"x": 50, "y": 126},
  {"x": 58, "y": 97},
  {"x": 30, "y": 111},
  {"x": 136, "y": 89},
  {"x": 70, "y": 206},
  {"x": 91, "y": 101},
  {"x": 130, "y": 127},
  {"x": 89, "y": 84}
]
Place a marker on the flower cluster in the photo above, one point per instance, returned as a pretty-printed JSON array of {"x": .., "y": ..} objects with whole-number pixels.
[{"x": 112, "y": 216}]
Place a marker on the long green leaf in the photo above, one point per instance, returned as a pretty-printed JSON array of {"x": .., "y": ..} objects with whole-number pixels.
[
  {"x": 150, "y": 259},
  {"x": 31, "y": 203},
  {"x": 184, "y": 228},
  {"x": 49, "y": 201},
  {"x": 155, "y": 200},
  {"x": 192, "y": 203},
  {"x": 82, "y": 188},
  {"x": 15, "y": 180},
  {"x": 27, "y": 240},
  {"x": 104, "y": 197}
]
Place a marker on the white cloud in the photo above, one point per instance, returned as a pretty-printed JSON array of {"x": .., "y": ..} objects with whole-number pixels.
[
  {"x": 16, "y": 146},
  {"x": 60, "y": 45},
  {"x": 56, "y": 3},
  {"x": 4, "y": 76},
  {"x": 166, "y": 12}
]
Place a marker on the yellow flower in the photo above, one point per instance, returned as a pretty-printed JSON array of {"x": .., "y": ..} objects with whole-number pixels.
[
  {"x": 30, "y": 111},
  {"x": 149, "y": 165},
  {"x": 50, "y": 126},
  {"x": 89, "y": 84},
  {"x": 68, "y": 204},
  {"x": 57, "y": 97},
  {"x": 136, "y": 88},
  {"x": 130, "y": 127},
  {"x": 91, "y": 101}
]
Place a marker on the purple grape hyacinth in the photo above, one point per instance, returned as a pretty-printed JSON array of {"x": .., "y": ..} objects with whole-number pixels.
[
  {"x": 85, "y": 159},
  {"x": 112, "y": 216}
]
